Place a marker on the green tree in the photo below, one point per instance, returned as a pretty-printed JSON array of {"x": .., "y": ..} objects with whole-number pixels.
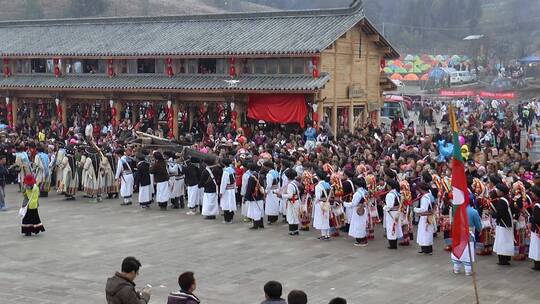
[
  {"x": 32, "y": 9},
  {"x": 85, "y": 8}
]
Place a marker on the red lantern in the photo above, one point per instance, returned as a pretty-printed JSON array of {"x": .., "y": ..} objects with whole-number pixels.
[
  {"x": 10, "y": 107},
  {"x": 232, "y": 60},
  {"x": 150, "y": 113},
  {"x": 232, "y": 71},
  {"x": 234, "y": 115},
  {"x": 315, "y": 61},
  {"x": 383, "y": 63},
  {"x": 315, "y": 72},
  {"x": 171, "y": 134},
  {"x": 59, "y": 111},
  {"x": 170, "y": 114},
  {"x": 170, "y": 71},
  {"x": 110, "y": 61},
  {"x": 56, "y": 71},
  {"x": 169, "y": 61},
  {"x": 56, "y": 61},
  {"x": 7, "y": 71},
  {"x": 110, "y": 71},
  {"x": 113, "y": 123},
  {"x": 170, "y": 123},
  {"x": 113, "y": 111}
]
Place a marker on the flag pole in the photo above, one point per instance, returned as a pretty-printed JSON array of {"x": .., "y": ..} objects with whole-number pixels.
[{"x": 473, "y": 275}]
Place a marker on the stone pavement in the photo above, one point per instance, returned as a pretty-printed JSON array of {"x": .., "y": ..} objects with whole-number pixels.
[{"x": 85, "y": 243}]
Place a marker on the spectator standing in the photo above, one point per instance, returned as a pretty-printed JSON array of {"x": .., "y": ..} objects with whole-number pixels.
[
  {"x": 187, "y": 284},
  {"x": 3, "y": 177},
  {"x": 272, "y": 293},
  {"x": 120, "y": 288}
]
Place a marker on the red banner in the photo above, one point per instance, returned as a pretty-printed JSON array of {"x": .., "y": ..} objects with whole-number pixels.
[
  {"x": 504, "y": 95},
  {"x": 449, "y": 93},
  {"x": 279, "y": 108}
]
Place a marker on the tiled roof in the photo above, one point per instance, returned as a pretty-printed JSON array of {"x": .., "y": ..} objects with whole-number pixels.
[
  {"x": 179, "y": 83},
  {"x": 270, "y": 33}
]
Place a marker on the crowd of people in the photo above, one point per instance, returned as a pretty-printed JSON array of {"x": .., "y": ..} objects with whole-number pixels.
[
  {"x": 313, "y": 179},
  {"x": 120, "y": 289}
]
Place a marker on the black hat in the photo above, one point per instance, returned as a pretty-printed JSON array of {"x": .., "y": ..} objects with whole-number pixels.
[
  {"x": 193, "y": 160},
  {"x": 503, "y": 188},
  {"x": 495, "y": 179},
  {"x": 360, "y": 182},
  {"x": 268, "y": 164},
  {"x": 423, "y": 186},
  {"x": 158, "y": 155},
  {"x": 349, "y": 173},
  {"x": 225, "y": 162},
  {"x": 426, "y": 177},
  {"x": 390, "y": 173},
  {"x": 536, "y": 191},
  {"x": 290, "y": 174},
  {"x": 392, "y": 183}
]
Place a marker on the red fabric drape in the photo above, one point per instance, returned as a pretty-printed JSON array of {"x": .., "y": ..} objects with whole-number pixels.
[{"x": 280, "y": 108}]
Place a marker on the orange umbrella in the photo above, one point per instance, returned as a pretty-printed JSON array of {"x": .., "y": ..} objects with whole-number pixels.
[
  {"x": 396, "y": 76},
  {"x": 424, "y": 77},
  {"x": 411, "y": 77}
]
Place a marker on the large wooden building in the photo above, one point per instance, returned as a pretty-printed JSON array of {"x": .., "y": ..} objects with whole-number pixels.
[{"x": 280, "y": 67}]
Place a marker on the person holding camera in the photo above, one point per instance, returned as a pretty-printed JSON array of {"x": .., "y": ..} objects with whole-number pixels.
[{"x": 120, "y": 288}]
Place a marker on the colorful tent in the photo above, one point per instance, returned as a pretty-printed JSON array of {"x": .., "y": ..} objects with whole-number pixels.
[
  {"x": 401, "y": 70},
  {"x": 396, "y": 76},
  {"x": 409, "y": 57},
  {"x": 398, "y": 63},
  {"x": 388, "y": 70},
  {"x": 425, "y": 77},
  {"x": 411, "y": 77}
]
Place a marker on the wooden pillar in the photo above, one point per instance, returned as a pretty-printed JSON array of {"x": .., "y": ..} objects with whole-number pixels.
[
  {"x": 64, "y": 113},
  {"x": 190, "y": 116},
  {"x": 175, "y": 119},
  {"x": 334, "y": 120},
  {"x": 14, "y": 105}
]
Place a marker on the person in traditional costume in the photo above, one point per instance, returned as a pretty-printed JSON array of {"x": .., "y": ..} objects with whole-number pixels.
[
  {"x": 209, "y": 183},
  {"x": 306, "y": 210},
  {"x": 42, "y": 172},
  {"x": 227, "y": 191},
  {"x": 534, "y": 221},
  {"x": 426, "y": 227},
  {"x": 31, "y": 223},
  {"x": 393, "y": 210},
  {"x": 360, "y": 216},
  {"x": 60, "y": 154},
  {"x": 161, "y": 178},
  {"x": 192, "y": 180},
  {"x": 180, "y": 182},
  {"x": 255, "y": 197},
  {"x": 173, "y": 168},
  {"x": 245, "y": 178},
  {"x": 321, "y": 206},
  {"x": 22, "y": 163},
  {"x": 143, "y": 180},
  {"x": 71, "y": 177},
  {"x": 293, "y": 195},
  {"x": 468, "y": 255},
  {"x": 124, "y": 173},
  {"x": 521, "y": 202},
  {"x": 285, "y": 166},
  {"x": 504, "y": 231},
  {"x": 272, "y": 186},
  {"x": 112, "y": 190},
  {"x": 485, "y": 208},
  {"x": 90, "y": 175},
  {"x": 348, "y": 192},
  {"x": 106, "y": 178}
]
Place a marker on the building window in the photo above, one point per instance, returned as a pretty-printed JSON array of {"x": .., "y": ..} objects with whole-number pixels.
[
  {"x": 247, "y": 66},
  {"x": 23, "y": 66},
  {"x": 146, "y": 66},
  {"x": 284, "y": 66},
  {"x": 272, "y": 66},
  {"x": 160, "y": 66},
  {"x": 207, "y": 66},
  {"x": 222, "y": 67},
  {"x": 192, "y": 66},
  {"x": 90, "y": 66},
  {"x": 298, "y": 66},
  {"x": 260, "y": 66},
  {"x": 38, "y": 65},
  {"x": 180, "y": 66}
]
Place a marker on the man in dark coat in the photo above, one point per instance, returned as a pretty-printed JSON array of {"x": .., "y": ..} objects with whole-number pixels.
[
  {"x": 185, "y": 296},
  {"x": 120, "y": 288}
]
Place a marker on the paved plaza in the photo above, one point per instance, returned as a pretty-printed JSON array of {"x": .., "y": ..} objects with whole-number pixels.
[{"x": 85, "y": 243}]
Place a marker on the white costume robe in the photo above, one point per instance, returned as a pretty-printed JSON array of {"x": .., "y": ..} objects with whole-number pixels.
[
  {"x": 272, "y": 201},
  {"x": 534, "y": 247},
  {"x": 425, "y": 228},
  {"x": 163, "y": 192},
  {"x": 90, "y": 184},
  {"x": 293, "y": 204},
  {"x": 245, "y": 178},
  {"x": 193, "y": 196},
  {"x": 358, "y": 228},
  {"x": 283, "y": 201},
  {"x": 393, "y": 216},
  {"x": 43, "y": 175},
  {"x": 504, "y": 238},
  {"x": 59, "y": 170},
  {"x": 210, "y": 205},
  {"x": 349, "y": 211},
  {"x": 227, "y": 190},
  {"x": 126, "y": 178},
  {"x": 321, "y": 215},
  {"x": 175, "y": 184}
]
